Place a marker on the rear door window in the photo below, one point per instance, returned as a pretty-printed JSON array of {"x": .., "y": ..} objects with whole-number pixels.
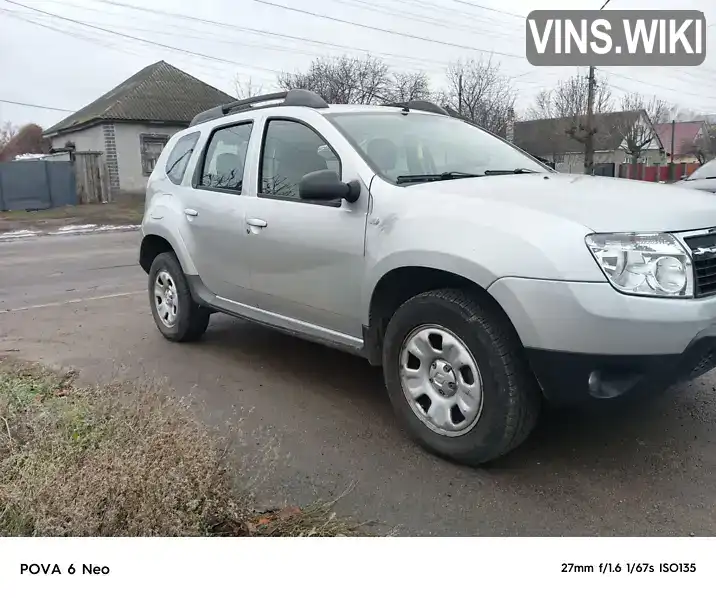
[{"x": 223, "y": 168}]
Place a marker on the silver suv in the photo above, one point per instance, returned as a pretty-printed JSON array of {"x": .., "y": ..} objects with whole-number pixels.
[{"x": 479, "y": 279}]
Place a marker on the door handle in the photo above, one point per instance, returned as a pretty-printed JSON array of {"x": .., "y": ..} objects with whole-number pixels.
[
  {"x": 190, "y": 212},
  {"x": 254, "y": 222}
]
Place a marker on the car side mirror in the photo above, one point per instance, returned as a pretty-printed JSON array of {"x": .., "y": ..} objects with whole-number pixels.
[{"x": 326, "y": 186}]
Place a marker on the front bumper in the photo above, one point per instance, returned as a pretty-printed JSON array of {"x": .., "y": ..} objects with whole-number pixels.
[
  {"x": 569, "y": 378},
  {"x": 586, "y": 341}
]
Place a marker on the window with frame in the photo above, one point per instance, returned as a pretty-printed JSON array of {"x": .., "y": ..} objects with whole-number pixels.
[
  {"x": 225, "y": 158},
  {"x": 290, "y": 151},
  {"x": 180, "y": 156},
  {"x": 150, "y": 147}
]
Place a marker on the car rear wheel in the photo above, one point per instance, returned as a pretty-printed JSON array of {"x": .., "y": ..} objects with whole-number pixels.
[
  {"x": 175, "y": 313},
  {"x": 457, "y": 377}
]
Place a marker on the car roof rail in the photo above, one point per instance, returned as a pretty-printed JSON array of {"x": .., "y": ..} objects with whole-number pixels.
[
  {"x": 423, "y": 105},
  {"x": 290, "y": 98}
]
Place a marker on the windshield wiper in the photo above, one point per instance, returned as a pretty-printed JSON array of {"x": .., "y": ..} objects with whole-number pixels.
[
  {"x": 508, "y": 171},
  {"x": 425, "y": 177}
]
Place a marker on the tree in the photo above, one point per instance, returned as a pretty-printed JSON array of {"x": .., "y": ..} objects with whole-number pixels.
[
  {"x": 342, "y": 80},
  {"x": 405, "y": 87},
  {"x": 27, "y": 140},
  {"x": 704, "y": 147},
  {"x": 569, "y": 99},
  {"x": 247, "y": 89},
  {"x": 7, "y": 132},
  {"x": 479, "y": 93},
  {"x": 638, "y": 133},
  {"x": 568, "y": 105}
]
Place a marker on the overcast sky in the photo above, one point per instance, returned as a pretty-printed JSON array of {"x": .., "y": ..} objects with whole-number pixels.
[{"x": 48, "y": 61}]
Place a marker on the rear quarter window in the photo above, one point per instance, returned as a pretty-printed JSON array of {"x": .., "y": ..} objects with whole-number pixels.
[{"x": 179, "y": 157}]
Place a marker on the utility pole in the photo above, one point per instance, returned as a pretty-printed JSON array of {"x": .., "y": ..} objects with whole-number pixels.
[
  {"x": 589, "y": 134},
  {"x": 672, "y": 169},
  {"x": 673, "y": 131}
]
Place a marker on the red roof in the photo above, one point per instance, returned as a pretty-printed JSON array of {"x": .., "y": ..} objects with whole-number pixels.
[{"x": 684, "y": 135}]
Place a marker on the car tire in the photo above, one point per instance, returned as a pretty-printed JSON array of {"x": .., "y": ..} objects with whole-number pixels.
[
  {"x": 177, "y": 316},
  {"x": 499, "y": 408}
]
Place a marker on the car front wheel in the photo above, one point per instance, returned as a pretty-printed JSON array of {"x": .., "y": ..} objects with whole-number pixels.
[{"x": 457, "y": 377}]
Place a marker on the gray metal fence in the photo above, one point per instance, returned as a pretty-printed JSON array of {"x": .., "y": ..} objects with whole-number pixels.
[{"x": 36, "y": 184}]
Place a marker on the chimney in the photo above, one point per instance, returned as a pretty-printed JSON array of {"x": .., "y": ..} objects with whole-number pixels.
[{"x": 511, "y": 125}]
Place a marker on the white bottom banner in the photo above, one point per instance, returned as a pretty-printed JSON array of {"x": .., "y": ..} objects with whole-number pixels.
[{"x": 355, "y": 567}]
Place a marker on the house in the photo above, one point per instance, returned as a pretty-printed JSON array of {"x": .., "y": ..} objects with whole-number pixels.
[
  {"x": 690, "y": 138},
  {"x": 621, "y": 137},
  {"x": 131, "y": 123}
]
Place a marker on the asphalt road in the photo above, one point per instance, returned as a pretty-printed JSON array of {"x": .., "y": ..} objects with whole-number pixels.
[{"x": 647, "y": 469}]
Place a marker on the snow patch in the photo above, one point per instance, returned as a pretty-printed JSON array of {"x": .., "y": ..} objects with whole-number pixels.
[
  {"x": 118, "y": 227},
  {"x": 72, "y": 229},
  {"x": 21, "y": 233},
  {"x": 67, "y": 230}
]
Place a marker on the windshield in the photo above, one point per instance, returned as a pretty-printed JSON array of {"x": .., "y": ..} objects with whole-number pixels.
[
  {"x": 402, "y": 147},
  {"x": 706, "y": 171}
]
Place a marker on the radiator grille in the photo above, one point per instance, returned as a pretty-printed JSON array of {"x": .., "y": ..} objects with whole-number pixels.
[{"x": 703, "y": 249}]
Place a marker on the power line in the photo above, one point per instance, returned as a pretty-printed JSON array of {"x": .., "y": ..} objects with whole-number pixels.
[
  {"x": 496, "y": 10},
  {"x": 382, "y": 30},
  {"x": 432, "y": 7},
  {"x": 263, "y": 32},
  {"x": 698, "y": 109},
  {"x": 308, "y": 40},
  {"x": 4, "y": 101},
  {"x": 658, "y": 85},
  {"x": 234, "y": 28},
  {"x": 211, "y": 38},
  {"x": 216, "y": 71},
  {"x": 73, "y": 34},
  {"x": 363, "y": 5},
  {"x": 138, "y": 39},
  {"x": 76, "y": 35},
  {"x": 113, "y": 31}
]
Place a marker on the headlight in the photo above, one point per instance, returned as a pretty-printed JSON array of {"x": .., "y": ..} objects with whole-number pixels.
[{"x": 646, "y": 264}]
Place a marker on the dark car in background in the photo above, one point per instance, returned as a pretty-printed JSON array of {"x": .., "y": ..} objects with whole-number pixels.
[{"x": 703, "y": 178}]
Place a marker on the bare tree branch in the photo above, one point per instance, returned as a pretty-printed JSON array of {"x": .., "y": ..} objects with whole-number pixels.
[
  {"x": 247, "y": 88},
  {"x": 342, "y": 80},
  {"x": 7, "y": 132},
  {"x": 569, "y": 100},
  {"x": 568, "y": 105},
  {"x": 638, "y": 133},
  {"x": 405, "y": 87},
  {"x": 480, "y": 93},
  {"x": 704, "y": 147}
]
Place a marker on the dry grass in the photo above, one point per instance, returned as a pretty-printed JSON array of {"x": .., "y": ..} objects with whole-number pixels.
[
  {"x": 124, "y": 211},
  {"x": 124, "y": 461}
]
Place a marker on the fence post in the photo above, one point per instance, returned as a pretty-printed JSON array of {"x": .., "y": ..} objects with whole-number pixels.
[
  {"x": 48, "y": 184},
  {"x": 2, "y": 202}
]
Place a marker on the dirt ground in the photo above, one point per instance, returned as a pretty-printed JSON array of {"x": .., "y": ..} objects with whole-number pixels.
[
  {"x": 123, "y": 211},
  {"x": 621, "y": 469}
]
